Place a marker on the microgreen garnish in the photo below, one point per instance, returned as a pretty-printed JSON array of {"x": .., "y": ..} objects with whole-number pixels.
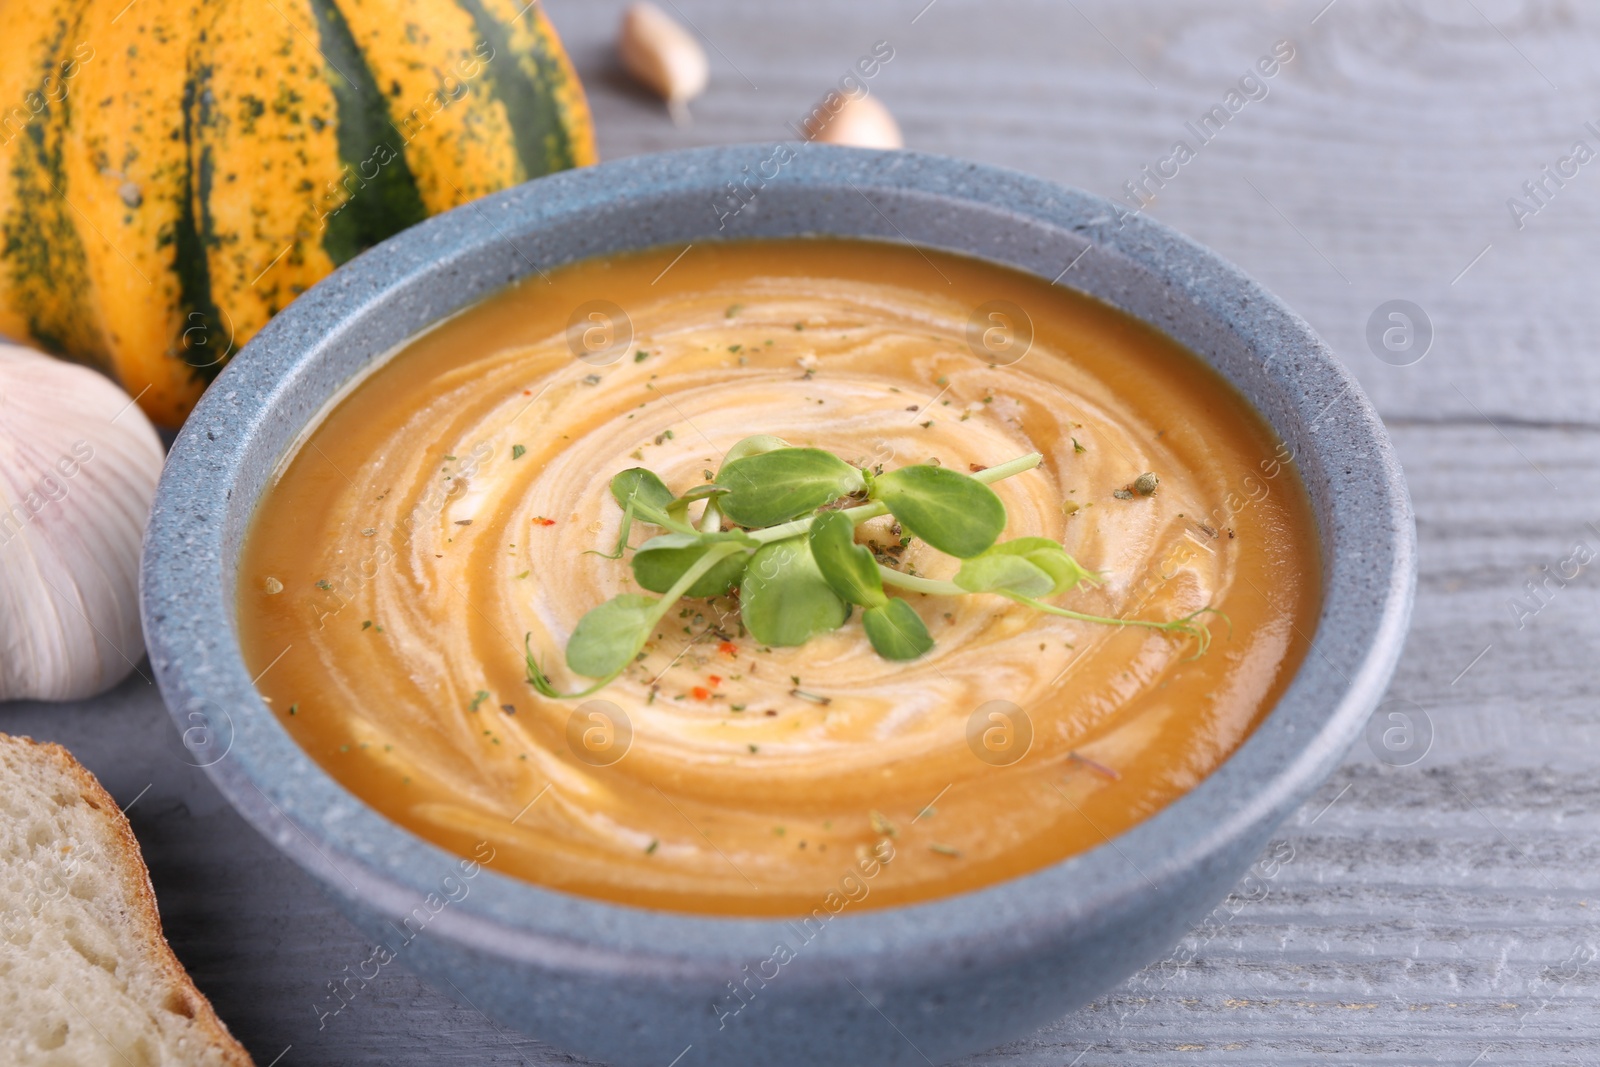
[
  {"x": 777, "y": 528},
  {"x": 770, "y": 487}
]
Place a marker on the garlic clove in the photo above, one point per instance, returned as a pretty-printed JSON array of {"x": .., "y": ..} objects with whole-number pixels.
[
  {"x": 663, "y": 56},
  {"x": 78, "y": 468},
  {"x": 853, "y": 120}
]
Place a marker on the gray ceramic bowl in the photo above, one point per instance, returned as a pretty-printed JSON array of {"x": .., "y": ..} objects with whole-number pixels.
[{"x": 907, "y": 985}]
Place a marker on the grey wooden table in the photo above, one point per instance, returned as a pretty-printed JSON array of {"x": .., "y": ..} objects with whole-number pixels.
[{"x": 1432, "y": 903}]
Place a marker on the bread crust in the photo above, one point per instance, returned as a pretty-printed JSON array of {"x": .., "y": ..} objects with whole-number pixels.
[{"x": 134, "y": 876}]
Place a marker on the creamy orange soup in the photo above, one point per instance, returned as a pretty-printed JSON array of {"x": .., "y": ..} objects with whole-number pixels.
[{"x": 444, "y": 508}]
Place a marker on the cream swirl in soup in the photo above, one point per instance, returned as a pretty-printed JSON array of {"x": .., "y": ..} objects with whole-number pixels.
[{"x": 451, "y": 509}]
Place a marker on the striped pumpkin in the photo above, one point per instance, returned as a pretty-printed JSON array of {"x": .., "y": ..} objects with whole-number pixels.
[{"x": 174, "y": 172}]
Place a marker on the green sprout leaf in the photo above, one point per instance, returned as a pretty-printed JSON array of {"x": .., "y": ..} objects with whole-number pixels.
[
  {"x": 772, "y": 487},
  {"x": 1026, "y": 566},
  {"x": 641, "y": 488},
  {"x": 784, "y": 599},
  {"x": 662, "y": 560},
  {"x": 608, "y": 637},
  {"x": 1064, "y": 571},
  {"x": 847, "y": 567},
  {"x": 643, "y": 496},
  {"x": 896, "y": 631},
  {"x": 953, "y": 512},
  {"x": 1003, "y": 574}
]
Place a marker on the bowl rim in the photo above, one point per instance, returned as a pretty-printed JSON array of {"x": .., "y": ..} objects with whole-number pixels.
[{"x": 187, "y": 572}]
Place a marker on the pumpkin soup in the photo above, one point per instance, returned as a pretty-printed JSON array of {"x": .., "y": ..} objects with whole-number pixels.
[{"x": 413, "y": 583}]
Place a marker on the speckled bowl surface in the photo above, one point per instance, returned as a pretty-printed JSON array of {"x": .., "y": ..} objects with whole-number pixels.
[{"x": 906, "y": 985}]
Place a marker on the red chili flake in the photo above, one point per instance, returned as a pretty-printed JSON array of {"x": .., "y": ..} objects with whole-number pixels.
[
  {"x": 728, "y": 648},
  {"x": 527, "y": 392},
  {"x": 540, "y": 520},
  {"x": 700, "y": 692},
  {"x": 716, "y": 680}
]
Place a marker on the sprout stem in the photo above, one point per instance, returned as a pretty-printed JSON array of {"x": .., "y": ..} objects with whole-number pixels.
[
  {"x": 928, "y": 586},
  {"x": 1006, "y": 470},
  {"x": 931, "y": 587},
  {"x": 1186, "y": 625}
]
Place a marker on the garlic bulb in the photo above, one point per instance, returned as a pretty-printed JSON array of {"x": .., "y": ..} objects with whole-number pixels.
[
  {"x": 663, "y": 56},
  {"x": 78, "y": 469},
  {"x": 853, "y": 120}
]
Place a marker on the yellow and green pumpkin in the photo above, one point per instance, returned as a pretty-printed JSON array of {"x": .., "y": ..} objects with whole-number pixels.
[{"x": 174, "y": 172}]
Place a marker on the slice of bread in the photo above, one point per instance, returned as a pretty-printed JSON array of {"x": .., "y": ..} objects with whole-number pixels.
[{"x": 86, "y": 978}]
